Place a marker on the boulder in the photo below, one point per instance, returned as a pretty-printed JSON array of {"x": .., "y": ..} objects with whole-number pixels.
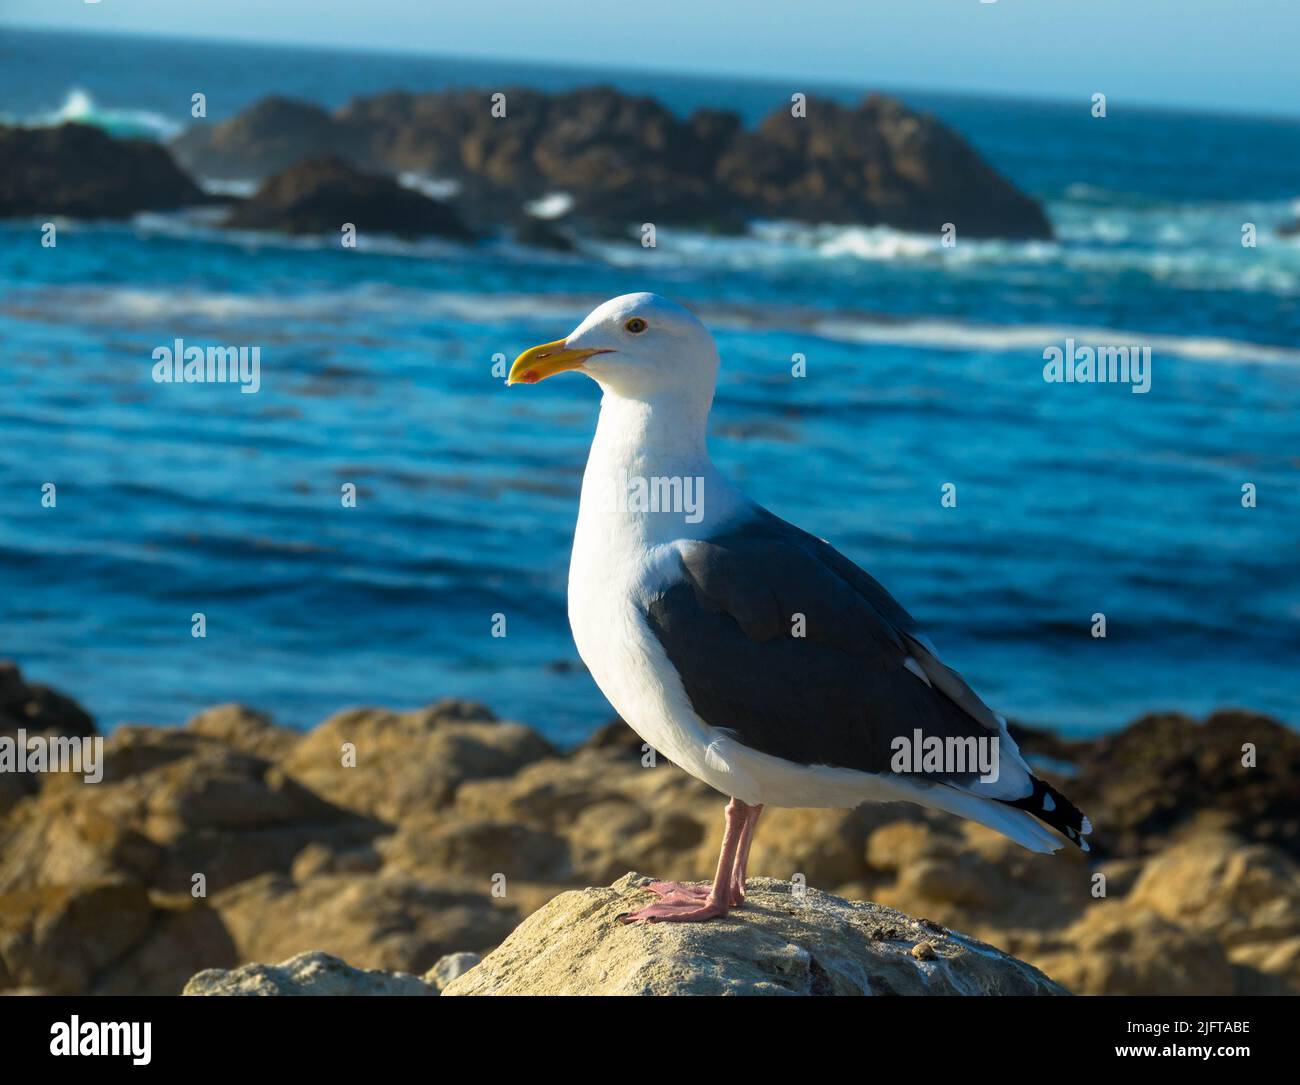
[
  {"x": 34, "y": 709},
  {"x": 311, "y": 973},
  {"x": 267, "y": 137},
  {"x": 244, "y": 729},
  {"x": 877, "y": 164},
  {"x": 610, "y": 808},
  {"x": 537, "y": 233},
  {"x": 778, "y": 944},
  {"x": 408, "y": 763},
  {"x": 439, "y": 846},
  {"x": 184, "y": 935},
  {"x": 80, "y": 171},
  {"x": 173, "y": 804},
  {"x": 318, "y": 195},
  {"x": 58, "y": 938},
  {"x": 1166, "y": 773},
  {"x": 1244, "y": 896},
  {"x": 450, "y": 967},
  {"x": 389, "y": 921},
  {"x": 971, "y": 877},
  {"x": 1117, "y": 949}
]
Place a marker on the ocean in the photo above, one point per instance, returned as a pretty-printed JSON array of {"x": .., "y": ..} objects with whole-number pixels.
[{"x": 924, "y": 367}]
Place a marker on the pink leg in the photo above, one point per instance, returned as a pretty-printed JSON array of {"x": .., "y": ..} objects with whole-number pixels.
[
  {"x": 688, "y": 903},
  {"x": 741, "y": 869}
]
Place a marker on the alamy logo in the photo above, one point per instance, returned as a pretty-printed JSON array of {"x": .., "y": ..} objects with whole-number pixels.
[
  {"x": 1098, "y": 365},
  {"x": 683, "y": 494},
  {"x": 78, "y": 1037},
  {"x": 179, "y": 364},
  {"x": 55, "y": 753},
  {"x": 930, "y": 755}
]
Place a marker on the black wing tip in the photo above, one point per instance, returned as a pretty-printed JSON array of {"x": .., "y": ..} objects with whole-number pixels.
[{"x": 1052, "y": 808}]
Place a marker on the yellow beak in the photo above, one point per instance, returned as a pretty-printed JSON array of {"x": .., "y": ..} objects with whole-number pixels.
[{"x": 537, "y": 363}]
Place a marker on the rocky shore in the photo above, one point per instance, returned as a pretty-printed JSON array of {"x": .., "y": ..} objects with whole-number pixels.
[
  {"x": 541, "y": 168},
  {"x": 391, "y": 840}
]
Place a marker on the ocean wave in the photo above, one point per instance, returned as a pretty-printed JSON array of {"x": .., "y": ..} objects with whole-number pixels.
[
  {"x": 118, "y": 305},
  {"x": 79, "y": 106},
  {"x": 214, "y": 186},
  {"x": 1183, "y": 247},
  {"x": 1005, "y": 338},
  {"x": 132, "y": 305},
  {"x": 436, "y": 188}
]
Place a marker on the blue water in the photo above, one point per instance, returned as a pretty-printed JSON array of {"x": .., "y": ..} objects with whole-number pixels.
[{"x": 924, "y": 367}]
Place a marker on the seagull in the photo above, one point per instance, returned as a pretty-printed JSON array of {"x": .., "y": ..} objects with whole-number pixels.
[{"x": 750, "y": 653}]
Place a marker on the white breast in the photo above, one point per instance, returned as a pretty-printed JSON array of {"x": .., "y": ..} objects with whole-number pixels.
[{"x": 621, "y": 557}]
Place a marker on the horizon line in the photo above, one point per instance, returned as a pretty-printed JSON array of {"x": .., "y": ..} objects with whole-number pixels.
[{"x": 674, "y": 73}]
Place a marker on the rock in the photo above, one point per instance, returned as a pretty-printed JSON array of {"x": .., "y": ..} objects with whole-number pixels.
[
  {"x": 34, "y": 709},
  {"x": 540, "y": 234},
  {"x": 321, "y": 858},
  {"x": 81, "y": 171},
  {"x": 58, "y": 938},
  {"x": 394, "y": 864},
  {"x": 615, "y": 737},
  {"x": 450, "y": 967},
  {"x": 879, "y": 163},
  {"x": 610, "y": 809},
  {"x": 774, "y": 945},
  {"x": 388, "y": 921},
  {"x": 968, "y": 876},
  {"x": 624, "y": 160},
  {"x": 319, "y": 195},
  {"x": 1216, "y": 882},
  {"x": 826, "y": 846},
  {"x": 184, "y": 936},
  {"x": 408, "y": 763},
  {"x": 1166, "y": 772},
  {"x": 244, "y": 729},
  {"x": 1245, "y": 897},
  {"x": 311, "y": 973},
  {"x": 1267, "y": 968},
  {"x": 172, "y": 805},
  {"x": 442, "y": 846},
  {"x": 267, "y": 137},
  {"x": 1119, "y": 950}
]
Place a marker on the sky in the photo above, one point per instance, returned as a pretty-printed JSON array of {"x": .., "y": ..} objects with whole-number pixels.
[{"x": 1224, "y": 55}]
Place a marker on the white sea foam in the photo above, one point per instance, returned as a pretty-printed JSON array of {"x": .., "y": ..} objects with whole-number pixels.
[
  {"x": 216, "y": 187},
  {"x": 130, "y": 305},
  {"x": 1189, "y": 247},
  {"x": 79, "y": 106},
  {"x": 1003, "y": 338},
  {"x": 435, "y": 188},
  {"x": 553, "y": 205}
]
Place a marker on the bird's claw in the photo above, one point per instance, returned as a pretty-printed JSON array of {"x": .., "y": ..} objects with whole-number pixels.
[{"x": 682, "y": 902}]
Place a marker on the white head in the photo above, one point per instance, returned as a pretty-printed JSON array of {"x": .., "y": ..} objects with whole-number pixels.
[{"x": 637, "y": 346}]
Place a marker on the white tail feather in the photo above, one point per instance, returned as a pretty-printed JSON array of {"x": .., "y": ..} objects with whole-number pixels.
[{"x": 1010, "y": 821}]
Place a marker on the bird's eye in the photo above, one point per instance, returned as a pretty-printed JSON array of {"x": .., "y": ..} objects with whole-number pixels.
[{"x": 636, "y": 325}]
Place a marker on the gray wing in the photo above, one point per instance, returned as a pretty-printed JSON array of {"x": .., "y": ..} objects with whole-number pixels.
[{"x": 861, "y": 675}]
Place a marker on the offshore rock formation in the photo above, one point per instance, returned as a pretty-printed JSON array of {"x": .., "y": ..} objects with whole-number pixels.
[
  {"x": 625, "y": 160},
  {"x": 79, "y": 171},
  {"x": 318, "y": 195}
]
